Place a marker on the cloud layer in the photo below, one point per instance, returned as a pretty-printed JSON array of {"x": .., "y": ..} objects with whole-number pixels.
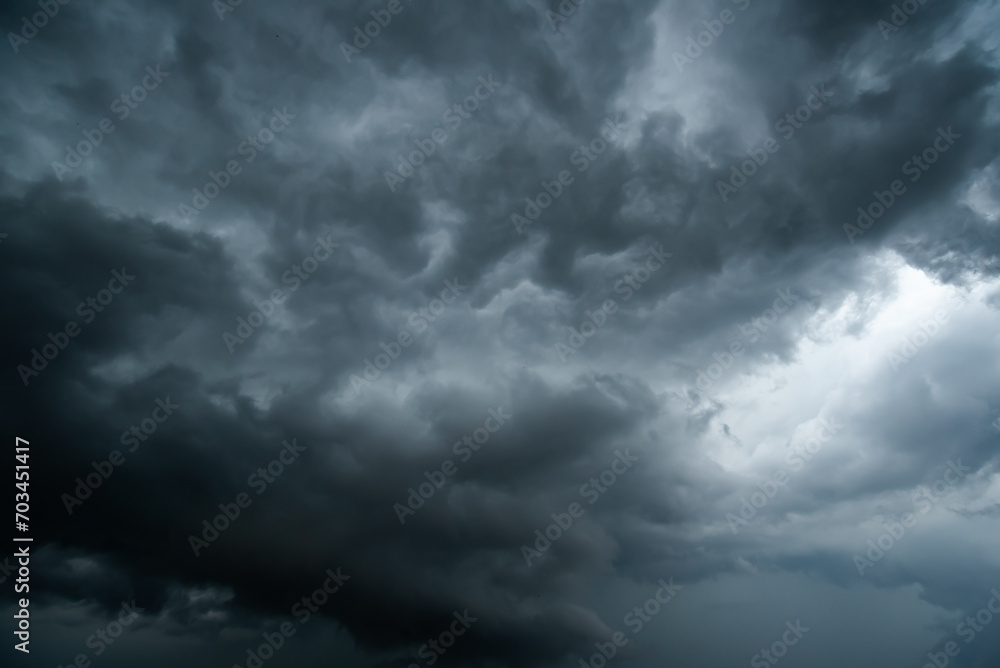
[{"x": 521, "y": 314}]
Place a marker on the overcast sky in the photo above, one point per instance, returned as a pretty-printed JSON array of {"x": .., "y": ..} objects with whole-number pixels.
[{"x": 540, "y": 334}]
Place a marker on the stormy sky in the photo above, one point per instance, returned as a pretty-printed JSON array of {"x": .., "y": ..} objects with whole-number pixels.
[{"x": 535, "y": 333}]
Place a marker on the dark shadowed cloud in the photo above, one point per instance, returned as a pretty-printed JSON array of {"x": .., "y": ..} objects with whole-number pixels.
[{"x": 526, "y": 315}]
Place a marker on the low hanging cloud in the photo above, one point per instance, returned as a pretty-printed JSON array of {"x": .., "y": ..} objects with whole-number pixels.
[{"x": 525, "y": 333}]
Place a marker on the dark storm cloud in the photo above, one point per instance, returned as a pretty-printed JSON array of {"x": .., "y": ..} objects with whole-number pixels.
[{"x": 633, "y": 385}]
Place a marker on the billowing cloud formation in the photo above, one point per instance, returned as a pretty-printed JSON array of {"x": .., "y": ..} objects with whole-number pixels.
[{"x": 517, "y": 333}]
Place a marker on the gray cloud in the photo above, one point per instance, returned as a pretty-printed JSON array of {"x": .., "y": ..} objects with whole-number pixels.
[{"x": 633, "y": 384}]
